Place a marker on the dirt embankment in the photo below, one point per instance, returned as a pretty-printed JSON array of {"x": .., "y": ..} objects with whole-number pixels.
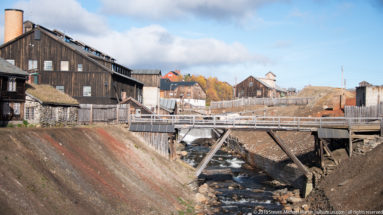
[
  {"x": 356, "y": 184},
  {"x": 87, "y": 171}
]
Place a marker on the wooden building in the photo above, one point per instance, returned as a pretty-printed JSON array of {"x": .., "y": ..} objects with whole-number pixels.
[
  {"x": 173, "y": 76},
  {"x": 12, "y": 97},
  {"x": 184, "y": 92},
  {"x": 136, "y": 107},
  {"x": 258, "y": 87},
  {"x": 151, "y": 91},
  {"x": 86, "y": 74}
]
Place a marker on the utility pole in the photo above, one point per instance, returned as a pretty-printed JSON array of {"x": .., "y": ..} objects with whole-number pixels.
[{"x": 343, "y": 83}]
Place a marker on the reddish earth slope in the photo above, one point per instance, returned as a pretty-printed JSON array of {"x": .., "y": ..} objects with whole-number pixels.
[{"x": 86, "y": 171}]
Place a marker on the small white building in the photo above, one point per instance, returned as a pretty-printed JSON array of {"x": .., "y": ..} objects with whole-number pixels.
[
  {"x": 368, "y": 95},
  {"x": 151, "y": 90}
]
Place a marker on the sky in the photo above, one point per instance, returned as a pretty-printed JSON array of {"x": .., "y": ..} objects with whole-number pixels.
[{"x": 303, "y": 42}]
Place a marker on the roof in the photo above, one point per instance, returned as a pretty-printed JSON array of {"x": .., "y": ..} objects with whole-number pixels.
[
  {"x": 146, "y": 72},
  {"x": 130, "y": 99},
  {"x": 91, "y": 54},
  {"x": 168, "y": 104},
  {"x": 278, "y": 88},
  {"x": 8, "y": 68},
  {"x": 166, "y": 84},
  {"x": 46, "y": 94}
]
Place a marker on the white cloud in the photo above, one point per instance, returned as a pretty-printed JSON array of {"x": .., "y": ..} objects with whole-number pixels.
[
  {"x": 155, "y": 46},
  {"x": 68, "y": 16},
  {"x": 159, "y": 9}
]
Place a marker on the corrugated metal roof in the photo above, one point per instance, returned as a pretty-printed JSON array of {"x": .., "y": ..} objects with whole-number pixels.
[
  {"x": 152, "y": 128},
  {"x": 146, "y": 72},
  {"x": 8, "y": 68},
  {"x": 168, "y": 104}
]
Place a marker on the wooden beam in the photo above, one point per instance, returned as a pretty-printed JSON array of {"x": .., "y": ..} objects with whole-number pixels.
[
  {"x": 350, "y": 143},
  {"x": 211, "y": 153},
  {"x": 283, "y": 146},
  {"x": 381, "y": 127},
  {"x": 172, "y": 148},
  {"x": 321, "y": 153},
  {"x": 328, "y": 151},
  {"x": 184, "y": 135}
]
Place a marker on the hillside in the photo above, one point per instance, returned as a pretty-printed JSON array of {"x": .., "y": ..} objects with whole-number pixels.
[{"x": 86, "y": 171}]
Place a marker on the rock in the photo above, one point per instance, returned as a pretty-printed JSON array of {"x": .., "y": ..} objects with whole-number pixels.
[
  {"x": 231, "y": 188},
  {"x": 297, "y": 209},
  {"x": 200, "y": 198},
  {"x": 198, "y": 207},
  {"x": 184, "y": 153},
  {"x": 259, "y": 208},
  {"x": 288, "y": 208},
  {"x": 293, "y": 199},
  {"x": 296, "y": 193},
  {"x": 203, "y": 188},
  {"x": 305, "y": 207}
]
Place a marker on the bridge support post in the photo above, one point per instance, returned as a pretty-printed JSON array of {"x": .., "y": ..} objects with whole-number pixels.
[
  {"x": 350, "y": 143},
  {"x": 282, "y": 145},
  {"x": 172, "y": 147},
  {"x": 211, "y": 153}
]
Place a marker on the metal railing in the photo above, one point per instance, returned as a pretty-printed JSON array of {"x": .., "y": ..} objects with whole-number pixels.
[{"x": 265, "y": 122}]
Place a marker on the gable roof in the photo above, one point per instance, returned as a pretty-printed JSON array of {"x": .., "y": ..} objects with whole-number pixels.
[
  {"x": 166, "y": 84},
  {"x": 46, "y": 94},
  {"x": 8, "y": 68},
  {"x": 72, "y": 45},
  {"x": 130, "y": 99},
  {"x": 257, "y": 79},
  {"x": 146, "y": 72}
]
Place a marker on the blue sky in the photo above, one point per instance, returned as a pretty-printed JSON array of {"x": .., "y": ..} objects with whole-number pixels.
[{"x": 302, "y": 41}]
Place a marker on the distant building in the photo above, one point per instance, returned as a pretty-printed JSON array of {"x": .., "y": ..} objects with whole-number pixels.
[
  {"x": 168, "y": 106},
  {"x": 136, "y": 107},
  {"x": 12, "y": 97},
  {"x": 172, "y": 75},
  {"x": 184, "y": 92},
  {"x": 48, "y": 106},
  {"x": 259, "y": 87},
  {"x": 54, "y": 58},
  {"x": 368, "y": 95},
  {"x": 151, "y": 90}
]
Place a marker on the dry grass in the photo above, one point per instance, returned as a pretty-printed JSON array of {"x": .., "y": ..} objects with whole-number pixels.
[{"x": 49, "y": 95}]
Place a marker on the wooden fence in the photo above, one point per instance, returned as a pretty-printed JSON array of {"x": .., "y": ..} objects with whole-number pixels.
[
  {"x": 89, "y": 113},
  {"x": 158, "y": 141},
  {"x": 371, "y": 111},
  {"x": 259, "y": 101}
]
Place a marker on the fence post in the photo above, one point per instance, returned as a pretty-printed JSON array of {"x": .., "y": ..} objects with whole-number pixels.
[
  {"x": 91, "y": 114},
  {"x": 129, "y": 119},
  {"x": 117, "y": 114}
]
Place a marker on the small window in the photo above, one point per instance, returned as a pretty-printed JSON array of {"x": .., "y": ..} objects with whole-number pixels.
[
  {"x": 259, "y": 93},
  {"x": 87, "y": 91},
  {"x": 171, "y": 94},
  {"x": 12, "y": 84},
  {"x": 61, "y": 88},
  {"x": 30, "y": 113},
  {"x": 32, "y": 64},
  {"x": 64, "y": 65},
  {"x": 16, "y": 108},
  {"x": 11, "y": 61},
  {"x": 251, "y": 84},
  {"x": 79, "y": 67},
  {"x": 48, "y": 66},
  {"x": 188, "y": 94}
]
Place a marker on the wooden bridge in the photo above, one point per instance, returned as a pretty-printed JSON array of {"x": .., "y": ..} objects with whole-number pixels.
[
  {"x": 282, "y": 123},
  {"x": 321, "y": 127}
]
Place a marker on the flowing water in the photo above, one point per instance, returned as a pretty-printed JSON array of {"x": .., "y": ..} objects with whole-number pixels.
[{"x": 240, "y": 190}]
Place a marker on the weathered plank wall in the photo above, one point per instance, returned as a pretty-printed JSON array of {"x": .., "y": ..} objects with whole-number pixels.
[
  {"x": 259, "y": 101},
  {"x": 158, "y": 141},
  {"x": 88, "y": 113},
  {"x": 361, "y": 111}
]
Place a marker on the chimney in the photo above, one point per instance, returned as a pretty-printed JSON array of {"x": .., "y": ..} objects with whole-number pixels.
[{"x": 13, "y": 25}]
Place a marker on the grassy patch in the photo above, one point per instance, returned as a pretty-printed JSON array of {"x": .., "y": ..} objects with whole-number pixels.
[{"x": 189, "y": 209}]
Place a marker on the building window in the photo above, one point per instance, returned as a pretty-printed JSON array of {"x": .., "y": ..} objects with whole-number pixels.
[
  {"x": 32, "y": 64},
  {"x": 259, "y": 93},
  {"x": 16, "y": 108},
  {"x": 64, "y": 65},
  {"x": 30, "y": 113},
  {"x": 188, "y": 95},
  {"x": 251, "y": 84},
  {"x": 11, "y": 61},
  {"x": 48, "y": 66},
  {"x": 12, "y": 84},
  {"x": 61, "y": 88},
  {"x": 79, "y": 67},
  {"x": 87, "y": 91},
  {"x": 6, "y": 109}
]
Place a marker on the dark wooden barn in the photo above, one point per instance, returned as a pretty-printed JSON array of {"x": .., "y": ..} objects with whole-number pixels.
[
  {"x": 86, "y": 74},
  {"x": 253, "y": 87},
  {"x": 12, "y": 98}
]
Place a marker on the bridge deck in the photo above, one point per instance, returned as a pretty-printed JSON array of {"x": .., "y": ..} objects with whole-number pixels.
[{"x": 260, "y": 122}]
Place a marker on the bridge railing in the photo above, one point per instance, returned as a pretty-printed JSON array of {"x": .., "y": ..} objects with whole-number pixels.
[{"x": 253, "y": 121}]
